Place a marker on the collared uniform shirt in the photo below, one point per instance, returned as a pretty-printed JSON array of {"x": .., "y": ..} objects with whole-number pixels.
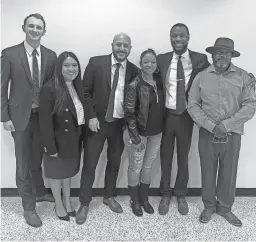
[
  {"x": 171, "y": 78},
  {"x": 119, "y": 94},
  {"x": 225, "y": 98},
  {"x": 29, "y": 51}
]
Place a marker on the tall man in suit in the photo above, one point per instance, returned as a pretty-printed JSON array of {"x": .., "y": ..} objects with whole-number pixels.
[
  {"x": 26, "y": 67},
  {"x": 178, "y": 69},
  {"x": 105, "y": 79}
]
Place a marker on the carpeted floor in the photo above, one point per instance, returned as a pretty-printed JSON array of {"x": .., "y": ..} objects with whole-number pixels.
[{"x": 103, "y": 224}]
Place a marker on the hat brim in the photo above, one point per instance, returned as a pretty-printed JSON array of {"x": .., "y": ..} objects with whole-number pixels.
[{"x": 213, "y": 49}]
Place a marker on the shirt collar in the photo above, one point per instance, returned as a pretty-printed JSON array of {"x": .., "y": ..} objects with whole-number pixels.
[
  {"x": 211, "y": 68},
  {"x": 114, "y": 61},
  {"x": 30, "y": 49},
  {"x": 185, "y": 55}
]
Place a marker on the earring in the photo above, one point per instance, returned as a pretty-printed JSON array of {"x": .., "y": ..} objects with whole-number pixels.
[{"x": 157, "y": 70}]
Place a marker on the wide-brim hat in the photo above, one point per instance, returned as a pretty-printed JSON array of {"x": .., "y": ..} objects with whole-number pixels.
[{"x": 223, "y": 43}]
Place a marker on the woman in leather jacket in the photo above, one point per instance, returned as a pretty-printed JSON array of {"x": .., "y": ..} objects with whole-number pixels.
[{"x": 144, "y": 110}]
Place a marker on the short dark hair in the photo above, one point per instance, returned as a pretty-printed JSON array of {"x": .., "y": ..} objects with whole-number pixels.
[
  {"x": 146, "y": 52},
  {"x": 179, "y": 25},
  {"x": 37, "y": 16}
]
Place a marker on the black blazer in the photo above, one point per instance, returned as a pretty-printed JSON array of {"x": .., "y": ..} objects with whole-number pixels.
[
  {"x": 59, "y": 133},
  {"x": 15, "y": 69},
  {"x": 199, "y": 63},
  {"x": 97, "y": 85}
]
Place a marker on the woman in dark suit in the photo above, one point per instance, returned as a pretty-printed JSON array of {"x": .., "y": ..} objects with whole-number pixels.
[{"x": 61, "y": 116}]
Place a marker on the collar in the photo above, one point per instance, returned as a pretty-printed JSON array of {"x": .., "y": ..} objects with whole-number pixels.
[
  {"x": 211, "y": 68},
  {"x": 185, "y": 55},
  {"x": 114, "y": 61},
  {"x": 30, "y": 49}
]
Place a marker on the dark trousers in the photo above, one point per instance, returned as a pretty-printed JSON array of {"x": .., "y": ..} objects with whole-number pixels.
[
  {"x": 26, "y": 148},
  {"x": 181, "y": 128},
  {"x": 221, "y": 159},
  {"x": 113, "y": 133}
]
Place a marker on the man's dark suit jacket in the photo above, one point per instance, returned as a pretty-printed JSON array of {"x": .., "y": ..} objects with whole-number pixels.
[
  {"x": 15, "y": 67},
  {"x": 199, "y": 63},
  {"x": 59, "y": 132},
  {"x": 97, "y": 85}
]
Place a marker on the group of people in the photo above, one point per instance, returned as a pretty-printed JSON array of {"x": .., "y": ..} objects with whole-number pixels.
[{"x": 53, "y": 113}]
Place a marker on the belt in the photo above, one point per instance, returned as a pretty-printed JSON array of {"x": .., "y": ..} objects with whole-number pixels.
[
  {"x": 34, "y": 110},
  {"x": 173, "y": 112}
]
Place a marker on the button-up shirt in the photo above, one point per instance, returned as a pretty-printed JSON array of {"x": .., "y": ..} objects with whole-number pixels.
[
  {"x": 29, "y": 51},
  {"x": 119, "y": 94},
  {"x": 226, "y": 98},
  {"x": 171, "y": 78}
]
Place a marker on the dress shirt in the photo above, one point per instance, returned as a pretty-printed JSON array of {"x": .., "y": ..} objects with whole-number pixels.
[
  {"x": 119, "y": 94},
  {"x": 29, "y": 51},
  {"x": 77, "y": 103},
  {"x": 171, "y": 78},
  {"x": 226, "y": 98}
]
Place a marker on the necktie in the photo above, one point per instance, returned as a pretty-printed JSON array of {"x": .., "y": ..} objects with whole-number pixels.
[
  {"x": 111, "y": 101},
  {"x": 35, "y": 78},
  {"x": 181, "y": 94}
]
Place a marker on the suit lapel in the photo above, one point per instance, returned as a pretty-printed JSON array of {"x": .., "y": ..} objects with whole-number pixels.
[
  {"x": 107, "y": 65},
  {"x": 166, "y": 64},
  {"x": 71, "y": 106},
  {"x": 23, "y": 56},
  {"x": 128, "y": 72},
  {"x": 43, "y": 63},
  {"x": 194, "y": 68}
]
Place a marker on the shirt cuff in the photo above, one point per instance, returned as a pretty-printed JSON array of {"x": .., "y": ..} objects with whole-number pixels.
[
  {"x": 209, "y": 125},
  {"x": 227, "y": 123}
]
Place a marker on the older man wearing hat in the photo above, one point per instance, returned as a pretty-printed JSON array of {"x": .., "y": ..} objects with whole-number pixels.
[{"x": 220, "y": 102}]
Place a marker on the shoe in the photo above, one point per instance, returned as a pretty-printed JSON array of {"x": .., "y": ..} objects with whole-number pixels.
[
  {"x": 136, "y": 208},
  {"x": 144, "y": 188},
  {"x": 81, "y": 214},
  {"x": 45, "y": 198},
  {"x": 206, "y": 216},
  {"x": 232, "y": 219},
  {"x": 64, "y": 218},
  {"x": 163, "y": 207},
  {"x": 113, "y": 204},
  {"x": 32, "y": 218},
  {"x": 72, "y": 214},
  {"x": 182, "y": 205}
]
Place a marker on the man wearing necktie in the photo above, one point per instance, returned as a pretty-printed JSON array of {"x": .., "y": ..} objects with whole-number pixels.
[
  {"x": 178, "y": 69},
  {"x": 105, "y": 79},
  {"x": 26, "y": 67}
]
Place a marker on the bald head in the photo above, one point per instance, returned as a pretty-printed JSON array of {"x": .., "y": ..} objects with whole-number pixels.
[{"x": 121, "y": 46}]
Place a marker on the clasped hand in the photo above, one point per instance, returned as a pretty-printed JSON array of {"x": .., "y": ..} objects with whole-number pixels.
[{"x": 219, "y": 130}]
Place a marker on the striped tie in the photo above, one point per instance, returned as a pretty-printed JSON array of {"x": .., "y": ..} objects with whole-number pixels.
[{"x": 35, "y": 78}]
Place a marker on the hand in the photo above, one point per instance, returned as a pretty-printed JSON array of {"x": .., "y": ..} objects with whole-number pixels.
[
  {"x": 94, "y": 124},
  {"x": 139, "y": 147},
  {"x": 54, "y": 155},
  {"x": 252, "y": 82},
  {"x": 9, "y": 126},
  {"x": 219, "y": 130}
]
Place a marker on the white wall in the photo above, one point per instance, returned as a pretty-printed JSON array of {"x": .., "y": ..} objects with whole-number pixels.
[{"x": 87, "y": 27}]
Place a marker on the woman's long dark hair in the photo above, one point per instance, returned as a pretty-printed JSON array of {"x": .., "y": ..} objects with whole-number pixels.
[{"x": 61, "y": 90}]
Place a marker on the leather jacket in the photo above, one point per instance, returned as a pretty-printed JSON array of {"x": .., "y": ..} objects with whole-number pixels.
[{"x": 136, "y": 107}]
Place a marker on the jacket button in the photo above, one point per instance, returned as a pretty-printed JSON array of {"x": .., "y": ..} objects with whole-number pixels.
[
  {"x": 66, "y": 130},
  {"x": 66, "y": 109},
  {"x": 66, "y": 120}
]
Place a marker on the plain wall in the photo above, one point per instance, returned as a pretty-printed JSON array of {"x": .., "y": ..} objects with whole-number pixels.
[{"x": 87, "y": 27}]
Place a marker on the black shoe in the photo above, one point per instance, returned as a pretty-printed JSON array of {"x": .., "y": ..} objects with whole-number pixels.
[
  {"x": 136, "y": 208},
  {"x": 206, "y": 216},
  {"x": 64, "y": 218},
  {"x": 72, "y": 214},
  {"x": 46, "y": 198},
  {"x": 232, "y": 219},
  {"x": 147, "y": 207},
  {"x": 182, "y": 205},
  {"x": 164, "y": 205},
  {"x": 113, "y": 204},
  {"x": 81, "y": 214}
]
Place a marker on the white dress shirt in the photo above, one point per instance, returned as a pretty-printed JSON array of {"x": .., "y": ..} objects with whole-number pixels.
[
  {"x": 29, "y": 51},
  {"x": 171, "y": 79},
  {"x": 119, "y": 94}
]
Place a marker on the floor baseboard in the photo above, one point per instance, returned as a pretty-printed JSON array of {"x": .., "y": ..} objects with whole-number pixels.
[{"x": 99, "y": 192}]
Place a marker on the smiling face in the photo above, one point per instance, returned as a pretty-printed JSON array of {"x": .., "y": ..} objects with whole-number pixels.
[
  {"x": 34, "y": 29},
  {"x": 148, "y": 63},
  {"x": 70, "y": 69},
  {"x": 222, "y": 58},
  {"x": 179, "y": 39},
  {"x": 121, "y": 47}
]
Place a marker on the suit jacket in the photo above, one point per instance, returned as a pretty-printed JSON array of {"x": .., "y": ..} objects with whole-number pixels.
[
  {"x": 15, "y": 68},
  {"x": 199, "y": 63},
  {"x": 59, "y": 132},
  {"x": 97, "y": 85}
]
